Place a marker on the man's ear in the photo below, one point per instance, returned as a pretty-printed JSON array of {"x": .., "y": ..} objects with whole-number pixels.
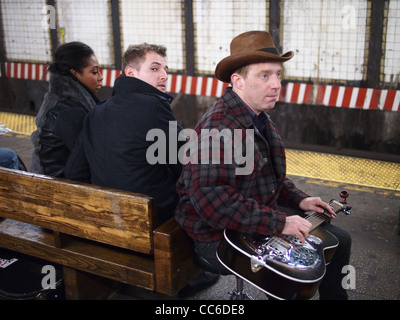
[
  {"x": 129, "y": 71},
  {"x": 237, "y": 81}
]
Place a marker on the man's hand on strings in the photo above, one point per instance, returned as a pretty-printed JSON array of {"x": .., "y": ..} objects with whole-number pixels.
[
  {"x": 317, "y": 205},
  {"x": 297, "y": 226}
]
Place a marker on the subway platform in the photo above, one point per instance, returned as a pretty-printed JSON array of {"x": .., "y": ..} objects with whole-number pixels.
[{"x": 374, "y": 188}]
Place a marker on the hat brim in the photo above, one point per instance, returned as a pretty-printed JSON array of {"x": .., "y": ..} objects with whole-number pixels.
[{"x": 228, "y": 65}]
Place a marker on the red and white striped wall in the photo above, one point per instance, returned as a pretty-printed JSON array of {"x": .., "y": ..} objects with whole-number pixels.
[
  {"x": 30, "y": 71},
  {"x": 341, "y": 96},
  {"x": 27, "y": 71},
  {"x": 299, "y": 93}
]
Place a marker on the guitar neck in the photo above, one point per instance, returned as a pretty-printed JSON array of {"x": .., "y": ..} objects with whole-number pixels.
[{"x": 317, "y": 219}]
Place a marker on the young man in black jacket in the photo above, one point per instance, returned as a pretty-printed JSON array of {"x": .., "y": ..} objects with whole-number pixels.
[
  {"x": 130, "y": 141},
  {"x": 112, "y": 150}
]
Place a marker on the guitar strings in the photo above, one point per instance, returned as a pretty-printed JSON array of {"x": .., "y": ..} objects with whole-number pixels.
[{"x": 316, "y": 219}]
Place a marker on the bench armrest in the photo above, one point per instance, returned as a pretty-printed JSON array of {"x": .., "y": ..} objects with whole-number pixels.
[{"x": 173, "y": 256}]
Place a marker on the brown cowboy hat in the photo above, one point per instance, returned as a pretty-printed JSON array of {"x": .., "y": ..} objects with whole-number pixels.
[{"x": 246, "y": 48}]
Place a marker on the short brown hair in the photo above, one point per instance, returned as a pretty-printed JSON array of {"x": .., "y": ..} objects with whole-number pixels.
[{"x": 135, "y": 54}]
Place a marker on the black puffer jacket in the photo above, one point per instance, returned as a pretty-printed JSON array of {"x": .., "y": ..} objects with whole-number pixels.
[{"x": 59, "y": 122}]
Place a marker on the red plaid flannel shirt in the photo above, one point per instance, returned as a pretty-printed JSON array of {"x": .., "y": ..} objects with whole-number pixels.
[{"x": 213, "y": 197}]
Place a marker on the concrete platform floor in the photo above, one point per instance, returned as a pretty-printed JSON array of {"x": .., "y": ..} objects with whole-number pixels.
[{"x": 375, "y": 252}]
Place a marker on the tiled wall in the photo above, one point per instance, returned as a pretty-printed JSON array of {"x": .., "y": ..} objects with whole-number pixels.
[
  {"x": 88, "y": 21},
  {"x": 330, "y": 38},
  {"x": 217, "y": 22},
  {"x": 24, "y": 36},
  {"x": 154, "y": 21},
  {"x": 391, "y": 72}
]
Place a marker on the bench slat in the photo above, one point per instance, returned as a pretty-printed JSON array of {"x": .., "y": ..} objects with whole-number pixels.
[
  {"x": 106, "y": 215},
  {"x": 122, "y": 265}
]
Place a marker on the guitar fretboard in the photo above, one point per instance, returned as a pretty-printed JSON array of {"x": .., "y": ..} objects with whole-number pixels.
[{"x": 317, "y": 219}]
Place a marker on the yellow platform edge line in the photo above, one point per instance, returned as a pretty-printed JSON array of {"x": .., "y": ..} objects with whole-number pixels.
[
  {"x": 18, "y": 123},
  {"x": 315, "y": 165},
  {"x": 344, "y": 169}
]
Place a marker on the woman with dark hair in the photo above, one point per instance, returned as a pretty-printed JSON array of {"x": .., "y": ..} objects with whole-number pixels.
[{"x": 74, "y": 81}]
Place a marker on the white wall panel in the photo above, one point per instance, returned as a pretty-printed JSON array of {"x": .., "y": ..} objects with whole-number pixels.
[
  {"x": 328, "y": 38},
  {"x": 216, "y": 23},
  {"x": 392, "y": 47},
  {"x": 155, "y": 21},
  {"x": 87, "y": 21},
  {"x": 25, "y": 37}
]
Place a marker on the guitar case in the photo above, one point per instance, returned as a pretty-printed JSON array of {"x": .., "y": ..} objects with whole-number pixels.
[{"x": 21, "y": 278}]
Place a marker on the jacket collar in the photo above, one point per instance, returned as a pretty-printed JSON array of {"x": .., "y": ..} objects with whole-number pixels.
[
  {"x": 128, "y": 85},
  {"x": 70, "y": 87}
]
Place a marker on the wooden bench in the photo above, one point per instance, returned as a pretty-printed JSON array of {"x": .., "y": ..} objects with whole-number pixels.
[{"x": 97, "y": 235}]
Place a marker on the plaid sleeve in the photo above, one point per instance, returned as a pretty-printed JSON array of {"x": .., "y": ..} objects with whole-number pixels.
[
  {"x": 221, "y": 206},
  {"x": 290, "y": 195}
]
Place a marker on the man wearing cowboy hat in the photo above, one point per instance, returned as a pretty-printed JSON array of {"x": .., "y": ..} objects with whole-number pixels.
[{"x": 213, "y": 197}]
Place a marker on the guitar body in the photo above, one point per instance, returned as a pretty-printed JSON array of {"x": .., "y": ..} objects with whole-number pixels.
[{"x": 282, "y": 267}]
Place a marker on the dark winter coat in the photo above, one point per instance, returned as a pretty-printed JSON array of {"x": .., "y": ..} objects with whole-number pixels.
[
  {"x": 114, "y": 149},
  {"x": 59, "y": 122}
]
